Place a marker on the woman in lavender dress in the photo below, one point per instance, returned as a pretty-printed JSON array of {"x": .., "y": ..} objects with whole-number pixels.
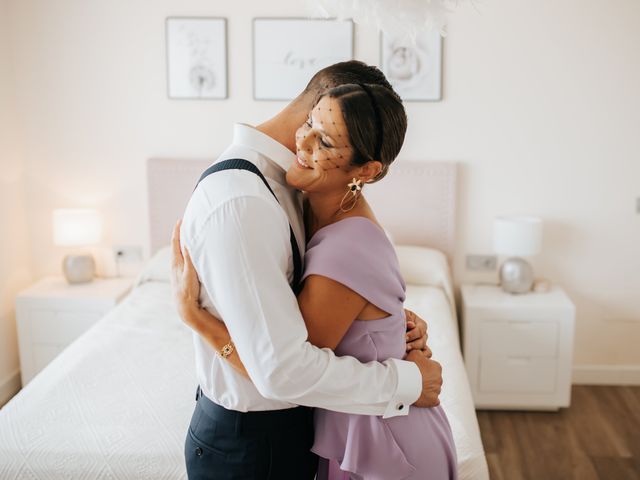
[{"x": 353, "y": 293}]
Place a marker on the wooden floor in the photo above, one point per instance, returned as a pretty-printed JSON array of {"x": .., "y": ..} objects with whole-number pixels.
[{"x": 597, "y": 438}]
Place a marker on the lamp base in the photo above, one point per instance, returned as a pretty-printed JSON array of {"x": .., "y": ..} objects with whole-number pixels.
[
  {"x": 516, "y": 276},
  {"x": 79, "y": 268}
]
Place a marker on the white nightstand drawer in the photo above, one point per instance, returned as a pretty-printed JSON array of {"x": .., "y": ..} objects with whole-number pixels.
[
  {"x": 517, "y": 374},
  {"x": 51, "y": 314},
  {"x": 519, "y": 338},
  {"x": 46, "y": 325}
]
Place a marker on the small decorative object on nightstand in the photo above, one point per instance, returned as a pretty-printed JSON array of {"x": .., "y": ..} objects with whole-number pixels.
[
  {"x": 515, "y": 237},
  {"x": 77, "y": 228},
  {"x": 52, "y": 313},
  {"x": 518, "y": 349}
]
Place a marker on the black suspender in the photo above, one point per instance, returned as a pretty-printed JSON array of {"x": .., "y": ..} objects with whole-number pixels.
[{"x": 240, "y": 164}]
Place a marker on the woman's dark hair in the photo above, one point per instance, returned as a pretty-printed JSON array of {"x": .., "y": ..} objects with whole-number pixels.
[{"x": 376, "y": 122}]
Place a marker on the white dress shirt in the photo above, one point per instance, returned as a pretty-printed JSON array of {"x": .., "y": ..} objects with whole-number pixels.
[{"x": 238, "y": 238}]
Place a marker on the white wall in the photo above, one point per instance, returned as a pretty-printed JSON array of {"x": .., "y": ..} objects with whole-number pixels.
[
  {"x": 14, "y": 261},
  {"x": 541, "y": 108},
  {"x": 544, "y": 111}
]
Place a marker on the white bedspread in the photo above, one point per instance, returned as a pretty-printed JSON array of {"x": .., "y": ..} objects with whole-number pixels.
[
  {"x": 432, "y": 305},
  {"x": 117, "y": 402}
]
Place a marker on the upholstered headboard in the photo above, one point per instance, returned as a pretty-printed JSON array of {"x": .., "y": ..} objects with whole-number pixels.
[{"x": 416, "y": 202}]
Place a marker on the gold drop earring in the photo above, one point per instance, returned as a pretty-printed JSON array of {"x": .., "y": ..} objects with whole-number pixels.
[{"x": 353, "y": 189}]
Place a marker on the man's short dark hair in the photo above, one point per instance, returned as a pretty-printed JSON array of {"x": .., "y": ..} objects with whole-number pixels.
[{"x": 352, "y": 71}]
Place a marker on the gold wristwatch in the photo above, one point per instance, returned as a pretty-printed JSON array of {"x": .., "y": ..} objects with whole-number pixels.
[{"x": 227, "y": 350}]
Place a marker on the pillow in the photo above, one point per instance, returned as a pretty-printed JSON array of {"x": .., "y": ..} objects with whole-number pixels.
[
  {"x": 418, "y": 265},
  {"x": 158, "y": 268},
  {"x": 425, "y": 266}
]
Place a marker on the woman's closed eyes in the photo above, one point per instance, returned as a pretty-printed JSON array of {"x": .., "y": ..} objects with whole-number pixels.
[{"x": 323, "y": 140}]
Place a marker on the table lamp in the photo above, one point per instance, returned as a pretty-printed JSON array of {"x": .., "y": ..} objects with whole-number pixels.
[
  {"x": 515, "y": 237},
  {"x": 77, "y": 228}
]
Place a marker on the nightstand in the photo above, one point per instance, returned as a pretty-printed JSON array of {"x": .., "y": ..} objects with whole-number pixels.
[
  {"x": 518, "y": 349},
  {"x": 51, "y": 314}
]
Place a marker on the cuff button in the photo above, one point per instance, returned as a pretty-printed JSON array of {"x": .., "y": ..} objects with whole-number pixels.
[{"x": 400, "y": 406}]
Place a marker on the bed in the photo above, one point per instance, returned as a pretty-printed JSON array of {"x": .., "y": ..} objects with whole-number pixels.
[{"x": 116, "y": 403}]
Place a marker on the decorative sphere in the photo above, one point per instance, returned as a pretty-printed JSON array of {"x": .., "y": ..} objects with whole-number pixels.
[
  {"x": 78, "y": 268},
  {"x": 516, "y": 276}
]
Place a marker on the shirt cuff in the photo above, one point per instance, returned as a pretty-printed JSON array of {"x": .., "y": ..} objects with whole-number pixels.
[{"x": 408, "y": 389}]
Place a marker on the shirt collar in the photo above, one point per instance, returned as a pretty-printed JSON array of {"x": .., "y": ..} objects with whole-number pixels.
[{"x": 254, "y": 139}]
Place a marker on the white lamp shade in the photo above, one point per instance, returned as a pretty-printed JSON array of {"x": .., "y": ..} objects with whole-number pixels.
[
  {"x": 76, "y": 227},
  {"x": 517, "y": 236}
]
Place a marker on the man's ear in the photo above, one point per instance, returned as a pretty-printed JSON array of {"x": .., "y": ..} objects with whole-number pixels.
[{"x": 370, "y": 170}]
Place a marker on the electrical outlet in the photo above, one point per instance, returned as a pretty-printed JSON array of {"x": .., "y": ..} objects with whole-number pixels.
[
  {"x": 485, "y": 263},
  {"x": 128, "y": 253},
  {"x": 128, "y": 260}
]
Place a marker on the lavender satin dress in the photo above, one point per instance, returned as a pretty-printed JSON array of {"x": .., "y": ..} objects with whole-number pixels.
[{"x": 419, "y": 446}]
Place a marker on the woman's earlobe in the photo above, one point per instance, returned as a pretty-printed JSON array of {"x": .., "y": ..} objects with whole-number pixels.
[
  {"x": 368, "y": 178},
  {"x": 370, "y": 171}
]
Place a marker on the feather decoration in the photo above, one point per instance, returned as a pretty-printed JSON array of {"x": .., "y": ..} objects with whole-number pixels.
[{"x": 398, "y": 18}]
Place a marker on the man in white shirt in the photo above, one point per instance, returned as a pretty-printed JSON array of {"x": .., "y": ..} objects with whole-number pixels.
[{"x": 238, "y": 236}]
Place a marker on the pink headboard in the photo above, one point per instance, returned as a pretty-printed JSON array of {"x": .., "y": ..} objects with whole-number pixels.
[{"x": 416, "y": 202}]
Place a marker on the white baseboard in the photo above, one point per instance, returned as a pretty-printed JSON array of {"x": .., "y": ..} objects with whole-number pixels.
[
  {"x": 606, "y": 375},
  {"x": 9, "y": 386}
]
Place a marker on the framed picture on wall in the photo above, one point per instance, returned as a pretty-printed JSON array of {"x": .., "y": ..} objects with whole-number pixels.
[
  {"x": 288, "y": 51},
  {"x": 414, "y": 70},
  {"x": 196, "y": 58}
]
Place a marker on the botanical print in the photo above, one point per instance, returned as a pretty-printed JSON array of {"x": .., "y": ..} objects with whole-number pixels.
[{"x": 196, "y": 51}]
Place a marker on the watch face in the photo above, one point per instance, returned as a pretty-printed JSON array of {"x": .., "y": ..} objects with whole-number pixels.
[{"x": 227, "y": 350}]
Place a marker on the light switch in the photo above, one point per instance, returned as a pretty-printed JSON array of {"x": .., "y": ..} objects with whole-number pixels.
[{"x": 485, "y": 263}]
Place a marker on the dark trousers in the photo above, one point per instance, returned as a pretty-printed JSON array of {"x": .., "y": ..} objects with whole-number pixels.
[{"x": 224, "y": 444}]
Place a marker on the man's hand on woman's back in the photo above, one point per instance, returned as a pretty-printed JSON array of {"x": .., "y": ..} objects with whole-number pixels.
[{"x": 431, "y": 372}]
